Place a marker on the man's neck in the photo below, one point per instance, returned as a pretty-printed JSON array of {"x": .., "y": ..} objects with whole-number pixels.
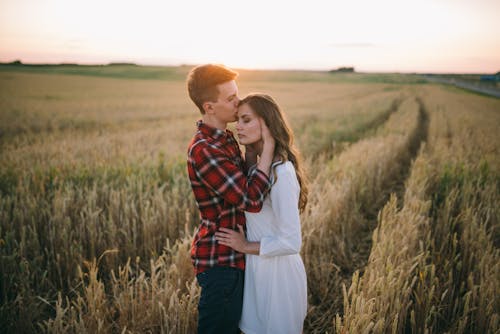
[
  {"x": 213, "y": 122},
  {"x": 258, "y": 147}
]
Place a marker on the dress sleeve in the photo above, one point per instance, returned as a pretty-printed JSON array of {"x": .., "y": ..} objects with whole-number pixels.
[{"x": 284, "y": 202}]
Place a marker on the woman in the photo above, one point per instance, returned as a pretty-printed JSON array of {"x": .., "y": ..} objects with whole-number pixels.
[{"x": 275, "y": 293}]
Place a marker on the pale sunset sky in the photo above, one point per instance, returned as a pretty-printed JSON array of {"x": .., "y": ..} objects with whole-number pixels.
[{"x": 440, "y": 36}]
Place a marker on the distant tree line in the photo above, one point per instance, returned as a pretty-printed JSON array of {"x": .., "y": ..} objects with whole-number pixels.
[
  {"x": 343, "y": 70},
  {"x": 20, "y": 63}
]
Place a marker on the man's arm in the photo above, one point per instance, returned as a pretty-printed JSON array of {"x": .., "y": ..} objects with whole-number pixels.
[{"x": 219, "y": 173}]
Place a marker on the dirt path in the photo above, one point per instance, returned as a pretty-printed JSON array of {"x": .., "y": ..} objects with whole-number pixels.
[
  {"x": 360, "y": 248},
  {"x": 365, "y": 130},
  {"x": 363, "y": 245}
]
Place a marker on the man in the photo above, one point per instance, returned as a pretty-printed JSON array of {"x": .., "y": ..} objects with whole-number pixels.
[{"x": 223, "y": 192}]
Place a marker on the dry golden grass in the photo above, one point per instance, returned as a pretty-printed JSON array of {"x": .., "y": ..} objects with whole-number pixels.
[
  {"x": 434, "y": 266},
  {"x": 96, "y": 214},
  {"x": 93, "y": 164},
  {"x": 460, "y": 275},
  {"x": 380, "y": 300},
  {"x": 342, "y": 199}
]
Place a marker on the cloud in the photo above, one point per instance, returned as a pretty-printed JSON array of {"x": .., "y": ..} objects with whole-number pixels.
[{"x": 352, "y": 45}]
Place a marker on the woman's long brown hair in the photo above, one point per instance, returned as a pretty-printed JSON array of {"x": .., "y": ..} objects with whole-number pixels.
[{"x": 266, "y": 108}]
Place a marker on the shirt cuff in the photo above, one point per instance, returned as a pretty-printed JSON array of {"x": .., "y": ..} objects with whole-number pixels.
[{"x": 262, "y": 177}]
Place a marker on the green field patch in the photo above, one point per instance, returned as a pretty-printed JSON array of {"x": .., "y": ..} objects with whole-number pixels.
[{"x": 178, "y": 73}]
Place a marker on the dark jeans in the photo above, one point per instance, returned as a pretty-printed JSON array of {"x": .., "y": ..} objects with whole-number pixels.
[{"x": 221, "y": 300}]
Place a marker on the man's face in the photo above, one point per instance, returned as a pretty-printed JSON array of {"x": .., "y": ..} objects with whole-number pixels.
[{"x": 226, "y": 106}]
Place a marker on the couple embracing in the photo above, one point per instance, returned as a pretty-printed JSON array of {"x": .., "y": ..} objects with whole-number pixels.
[{"x": 246, "y": 249}]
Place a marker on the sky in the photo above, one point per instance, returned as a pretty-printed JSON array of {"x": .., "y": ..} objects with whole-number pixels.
[{"x": 439, "y": 36}]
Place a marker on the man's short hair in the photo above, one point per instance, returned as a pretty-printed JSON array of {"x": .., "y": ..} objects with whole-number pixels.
[{"x": 202, "y": 83}]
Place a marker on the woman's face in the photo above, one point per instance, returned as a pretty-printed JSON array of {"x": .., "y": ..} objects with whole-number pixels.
[{"x": 248, "y": 125}]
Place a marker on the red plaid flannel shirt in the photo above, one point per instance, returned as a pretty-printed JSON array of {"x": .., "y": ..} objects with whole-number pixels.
[{"x": 222, "y": 192}]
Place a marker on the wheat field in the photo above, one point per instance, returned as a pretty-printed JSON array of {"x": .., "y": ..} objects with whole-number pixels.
[{"x": 401, "y": 233}]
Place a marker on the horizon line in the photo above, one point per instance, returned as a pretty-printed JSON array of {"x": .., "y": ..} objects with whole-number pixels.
[{"x": 18, "y": 62}]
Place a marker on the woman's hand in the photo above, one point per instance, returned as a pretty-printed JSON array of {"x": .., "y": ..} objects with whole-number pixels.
[
  {"x": 267, "y": 138},
  {"x": 267, "y": 156},
  {"x": 235, "y": 240}
]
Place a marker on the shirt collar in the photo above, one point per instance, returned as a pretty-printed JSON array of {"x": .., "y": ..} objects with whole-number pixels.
[{"x": 212, "y": 132}]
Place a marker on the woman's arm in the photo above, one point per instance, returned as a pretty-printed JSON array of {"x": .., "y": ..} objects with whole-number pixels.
[
  {"x": 288, "y": 240},
  {"x": 267, "y": 155},
  {"x": 284, "y": 201}
]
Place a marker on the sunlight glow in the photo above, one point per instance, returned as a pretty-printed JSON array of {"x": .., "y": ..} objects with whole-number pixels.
[{"x": 386, "y": 35}]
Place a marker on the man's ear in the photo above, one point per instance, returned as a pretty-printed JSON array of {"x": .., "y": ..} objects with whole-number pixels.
[{"x": 208, "y": 107}]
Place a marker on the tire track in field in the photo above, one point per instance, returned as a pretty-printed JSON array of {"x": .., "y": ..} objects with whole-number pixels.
[
  {"x": 357, "y": 134},
  {"x": 363, "y": 246},
  {"x": 360, "y": 248}
]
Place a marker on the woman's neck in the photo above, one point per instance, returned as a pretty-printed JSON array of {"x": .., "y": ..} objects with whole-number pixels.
[{"x": 258, "y": 148}]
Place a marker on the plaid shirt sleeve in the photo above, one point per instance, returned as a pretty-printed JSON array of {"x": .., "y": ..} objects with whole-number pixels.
[{"x": 219, "y": 173}]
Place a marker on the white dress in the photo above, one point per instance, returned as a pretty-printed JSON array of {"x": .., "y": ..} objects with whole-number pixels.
[{"x": 275, "y": 295}]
